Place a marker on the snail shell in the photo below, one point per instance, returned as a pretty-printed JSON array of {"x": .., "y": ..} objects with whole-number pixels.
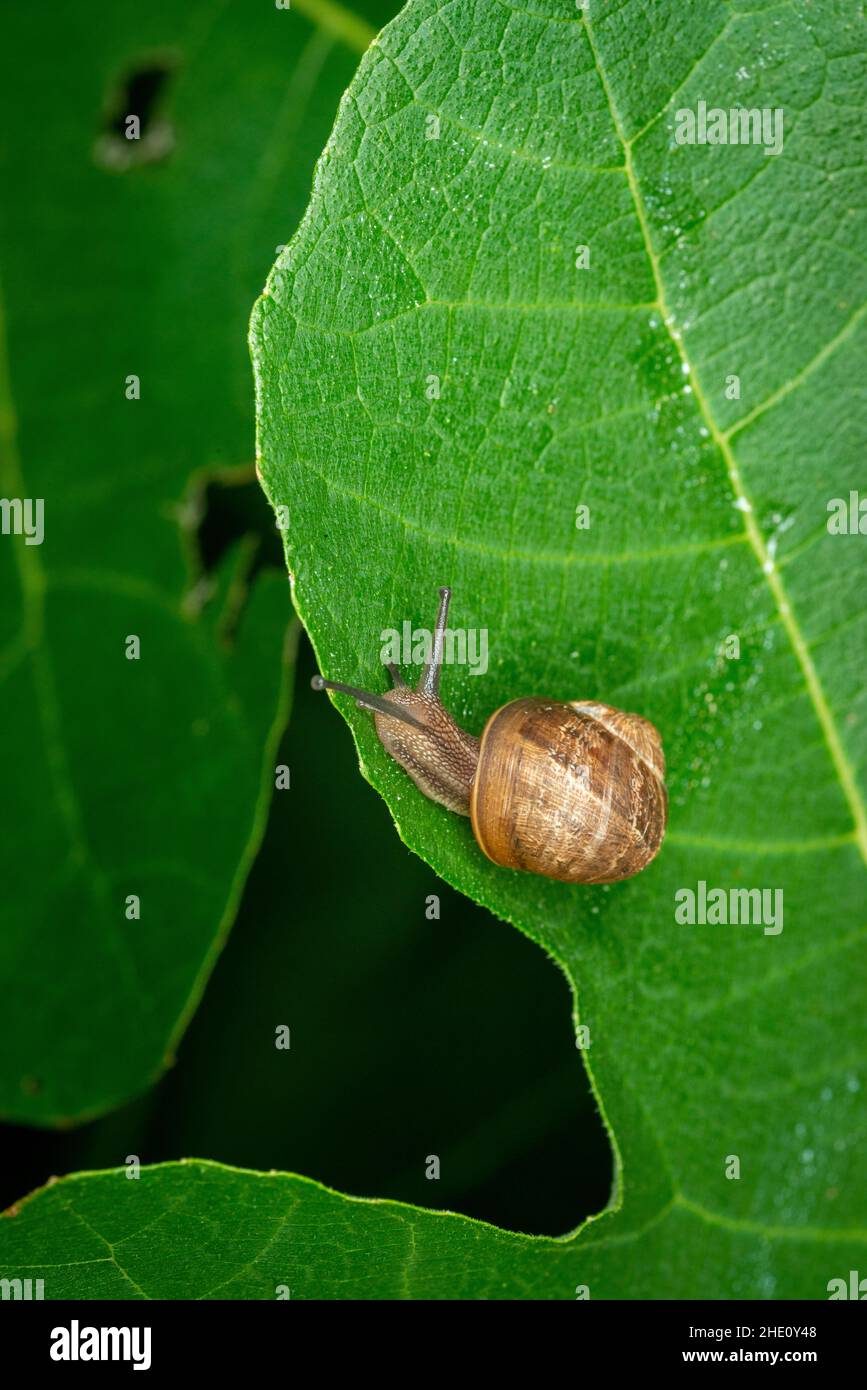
[{"x": 574, "y": 791}]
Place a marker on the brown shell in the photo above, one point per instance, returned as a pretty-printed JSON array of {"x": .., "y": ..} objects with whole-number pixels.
[{"x": 572, "y": 791}]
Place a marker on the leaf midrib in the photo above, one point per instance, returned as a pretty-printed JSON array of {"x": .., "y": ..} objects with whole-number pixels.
[
  {"x": 32, "y": 644},
  {"x": 337, "y": 21},
  {"x": 824, "y": 715}
]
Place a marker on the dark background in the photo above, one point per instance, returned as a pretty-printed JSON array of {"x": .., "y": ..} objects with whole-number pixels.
[{"x": 410, "y": 1037}]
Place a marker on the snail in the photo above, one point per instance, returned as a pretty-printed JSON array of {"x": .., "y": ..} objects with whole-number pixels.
[{"x": 572, "y": 790}]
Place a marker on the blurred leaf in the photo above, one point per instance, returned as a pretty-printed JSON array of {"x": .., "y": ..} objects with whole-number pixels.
[
  {"x": 122, "y": 259},
  {"x": 411, "y": 1033},
  {"x": 440, "y": 386}
]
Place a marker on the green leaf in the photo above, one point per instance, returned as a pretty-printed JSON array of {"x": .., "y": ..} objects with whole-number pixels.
[
  {"x": 120, "y": 259},
  {"x": 195, "y": 1229},
  {"x": 440, "y": 387}
]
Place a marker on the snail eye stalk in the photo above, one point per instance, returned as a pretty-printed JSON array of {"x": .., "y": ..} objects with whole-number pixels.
[
  {"x": 366, "y": 700},
  {"x": 430, "y": 676}
]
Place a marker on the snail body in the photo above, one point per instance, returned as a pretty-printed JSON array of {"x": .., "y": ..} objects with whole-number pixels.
[{"x": 572, "y": 790}]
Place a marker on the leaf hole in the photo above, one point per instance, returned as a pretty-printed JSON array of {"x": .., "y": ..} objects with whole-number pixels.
[
  {"x": 136, "y": 129},
  {"x": 227, "y": 525}
]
